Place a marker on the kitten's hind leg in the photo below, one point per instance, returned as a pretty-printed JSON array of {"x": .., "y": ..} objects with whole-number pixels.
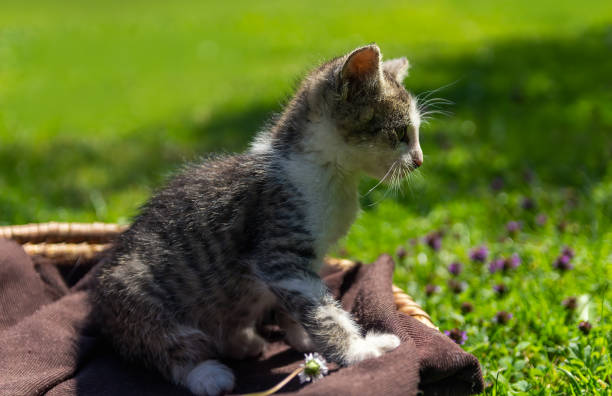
[
  {"x": 181, "y": 354},
  {"x": 190, "y": 368}
]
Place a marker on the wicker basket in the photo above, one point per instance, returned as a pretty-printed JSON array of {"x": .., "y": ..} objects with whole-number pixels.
[{"x": 68, "y": 242}]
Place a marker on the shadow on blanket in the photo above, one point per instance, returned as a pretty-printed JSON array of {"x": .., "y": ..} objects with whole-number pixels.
[{"x": 50, "y": 344}]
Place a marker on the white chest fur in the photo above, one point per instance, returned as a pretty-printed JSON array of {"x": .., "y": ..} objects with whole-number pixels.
[
  {"x": 330, "y": 192},
  {"x": 331, "y": 203}
]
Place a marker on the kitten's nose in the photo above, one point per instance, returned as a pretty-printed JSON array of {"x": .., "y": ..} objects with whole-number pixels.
[{"x": 417, "y": 157}]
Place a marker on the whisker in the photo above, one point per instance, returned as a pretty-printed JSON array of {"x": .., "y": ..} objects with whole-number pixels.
[
  {"x": 381, "y": 180},
  {"x": 396, "y": 181},
  {"x": 399, "y": 175},
  {"x": 417, "y": 174},
  {"x": 388, "y": 188},
  {"x": 431, "y": 92},
  {"x": 430, "y": 109},
  {"x": 441, "y": 112},
  {"x": 436, "y": 101},
  {"x": 434, "y": 106},
  {"x": 406, "y": 177},
  {"x": 428, "y": 106}
]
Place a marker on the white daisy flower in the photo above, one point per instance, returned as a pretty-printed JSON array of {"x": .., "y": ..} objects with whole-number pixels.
[{"x": 313, "y": 368}]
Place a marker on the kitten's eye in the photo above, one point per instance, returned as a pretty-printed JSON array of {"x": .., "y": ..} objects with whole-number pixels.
[{"x": 401, "y": 134}]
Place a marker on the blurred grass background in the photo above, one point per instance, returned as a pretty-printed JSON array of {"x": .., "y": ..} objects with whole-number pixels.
[{"x": 101, "y": 101}]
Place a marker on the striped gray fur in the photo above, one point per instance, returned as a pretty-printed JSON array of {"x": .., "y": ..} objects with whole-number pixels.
[{"x": 235, "y": 236}]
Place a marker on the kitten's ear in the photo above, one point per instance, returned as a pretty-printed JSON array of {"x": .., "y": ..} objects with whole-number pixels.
[
  {"x": 398, "y": 68},
  {"x": 362, "y": 65}
]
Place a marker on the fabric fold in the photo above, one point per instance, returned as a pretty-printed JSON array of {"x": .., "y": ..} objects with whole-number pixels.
[{"x": 49, "y": 343}]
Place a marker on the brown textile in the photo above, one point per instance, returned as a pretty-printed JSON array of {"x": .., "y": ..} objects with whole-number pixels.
[{"x": 49, "y": 344}]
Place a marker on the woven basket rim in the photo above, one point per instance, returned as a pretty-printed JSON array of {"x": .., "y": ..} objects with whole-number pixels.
[{"x": 96, "y": 232}]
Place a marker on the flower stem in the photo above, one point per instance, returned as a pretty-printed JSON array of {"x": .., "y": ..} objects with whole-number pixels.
[{"x": 277, "y": 387}]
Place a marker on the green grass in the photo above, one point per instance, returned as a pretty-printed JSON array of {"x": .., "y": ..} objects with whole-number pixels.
[{"x": 99, "y": 103}]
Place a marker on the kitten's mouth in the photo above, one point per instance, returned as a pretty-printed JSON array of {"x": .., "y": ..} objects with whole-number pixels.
[
  {"x": 410, "y": 163},
  {"x": 413, "y": 159}
]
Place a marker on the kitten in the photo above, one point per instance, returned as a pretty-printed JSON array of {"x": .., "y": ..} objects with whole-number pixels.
[{"x": 236, "y": 236}]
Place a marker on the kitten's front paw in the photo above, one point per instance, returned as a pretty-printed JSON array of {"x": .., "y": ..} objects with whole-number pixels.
[
  {"x": 385, "y": 342},
  {"x": 372, "y": 346},
  {"x": 210, "y": 378}
]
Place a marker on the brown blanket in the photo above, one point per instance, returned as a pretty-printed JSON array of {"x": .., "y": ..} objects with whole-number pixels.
[{"x": 50, "y": 344}]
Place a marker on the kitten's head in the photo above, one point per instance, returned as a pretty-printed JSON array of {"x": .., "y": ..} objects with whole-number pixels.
[{"x": 376, "y": 119}]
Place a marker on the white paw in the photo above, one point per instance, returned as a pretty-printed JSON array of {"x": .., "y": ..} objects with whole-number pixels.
[
  {"x": 210, "y": 378},
  {"x": 385, "y": 342},
  {"x": 372, "y": 346}
]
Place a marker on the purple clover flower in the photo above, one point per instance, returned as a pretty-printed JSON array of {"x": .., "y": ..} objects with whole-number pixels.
[
  {"x": 455, "y": 268},
  {"x": 514, "y": 261},
  {"x": 506, "y": 264},
  {"x": 496, "y": 265},
  {"x": 434, "y": 240},
  {"x": 466, "y": 307},
  {"x": 570, "y": 303},
  {"x": 513, "y": 227},
  {"x": 479, "y": 254},
  {"x": 541, "y": 219},
  {"x": 563, "y": 263},
  {"x": 401, "y": 252},
  {"x": 503, "y": 317},
  {"x": 456, "y": 286},
  {"x": 585, "y": 327},
  {"x": 431, "y": 289},
  {"x": 500, "y": 289},
  {"x": 568, "y": 251},
  {"x": 528, "y": 203},
  {"x": 457, "y": 335}
]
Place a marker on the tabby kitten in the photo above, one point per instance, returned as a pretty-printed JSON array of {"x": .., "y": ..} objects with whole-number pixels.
[{"x": 235, "y": 236}]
